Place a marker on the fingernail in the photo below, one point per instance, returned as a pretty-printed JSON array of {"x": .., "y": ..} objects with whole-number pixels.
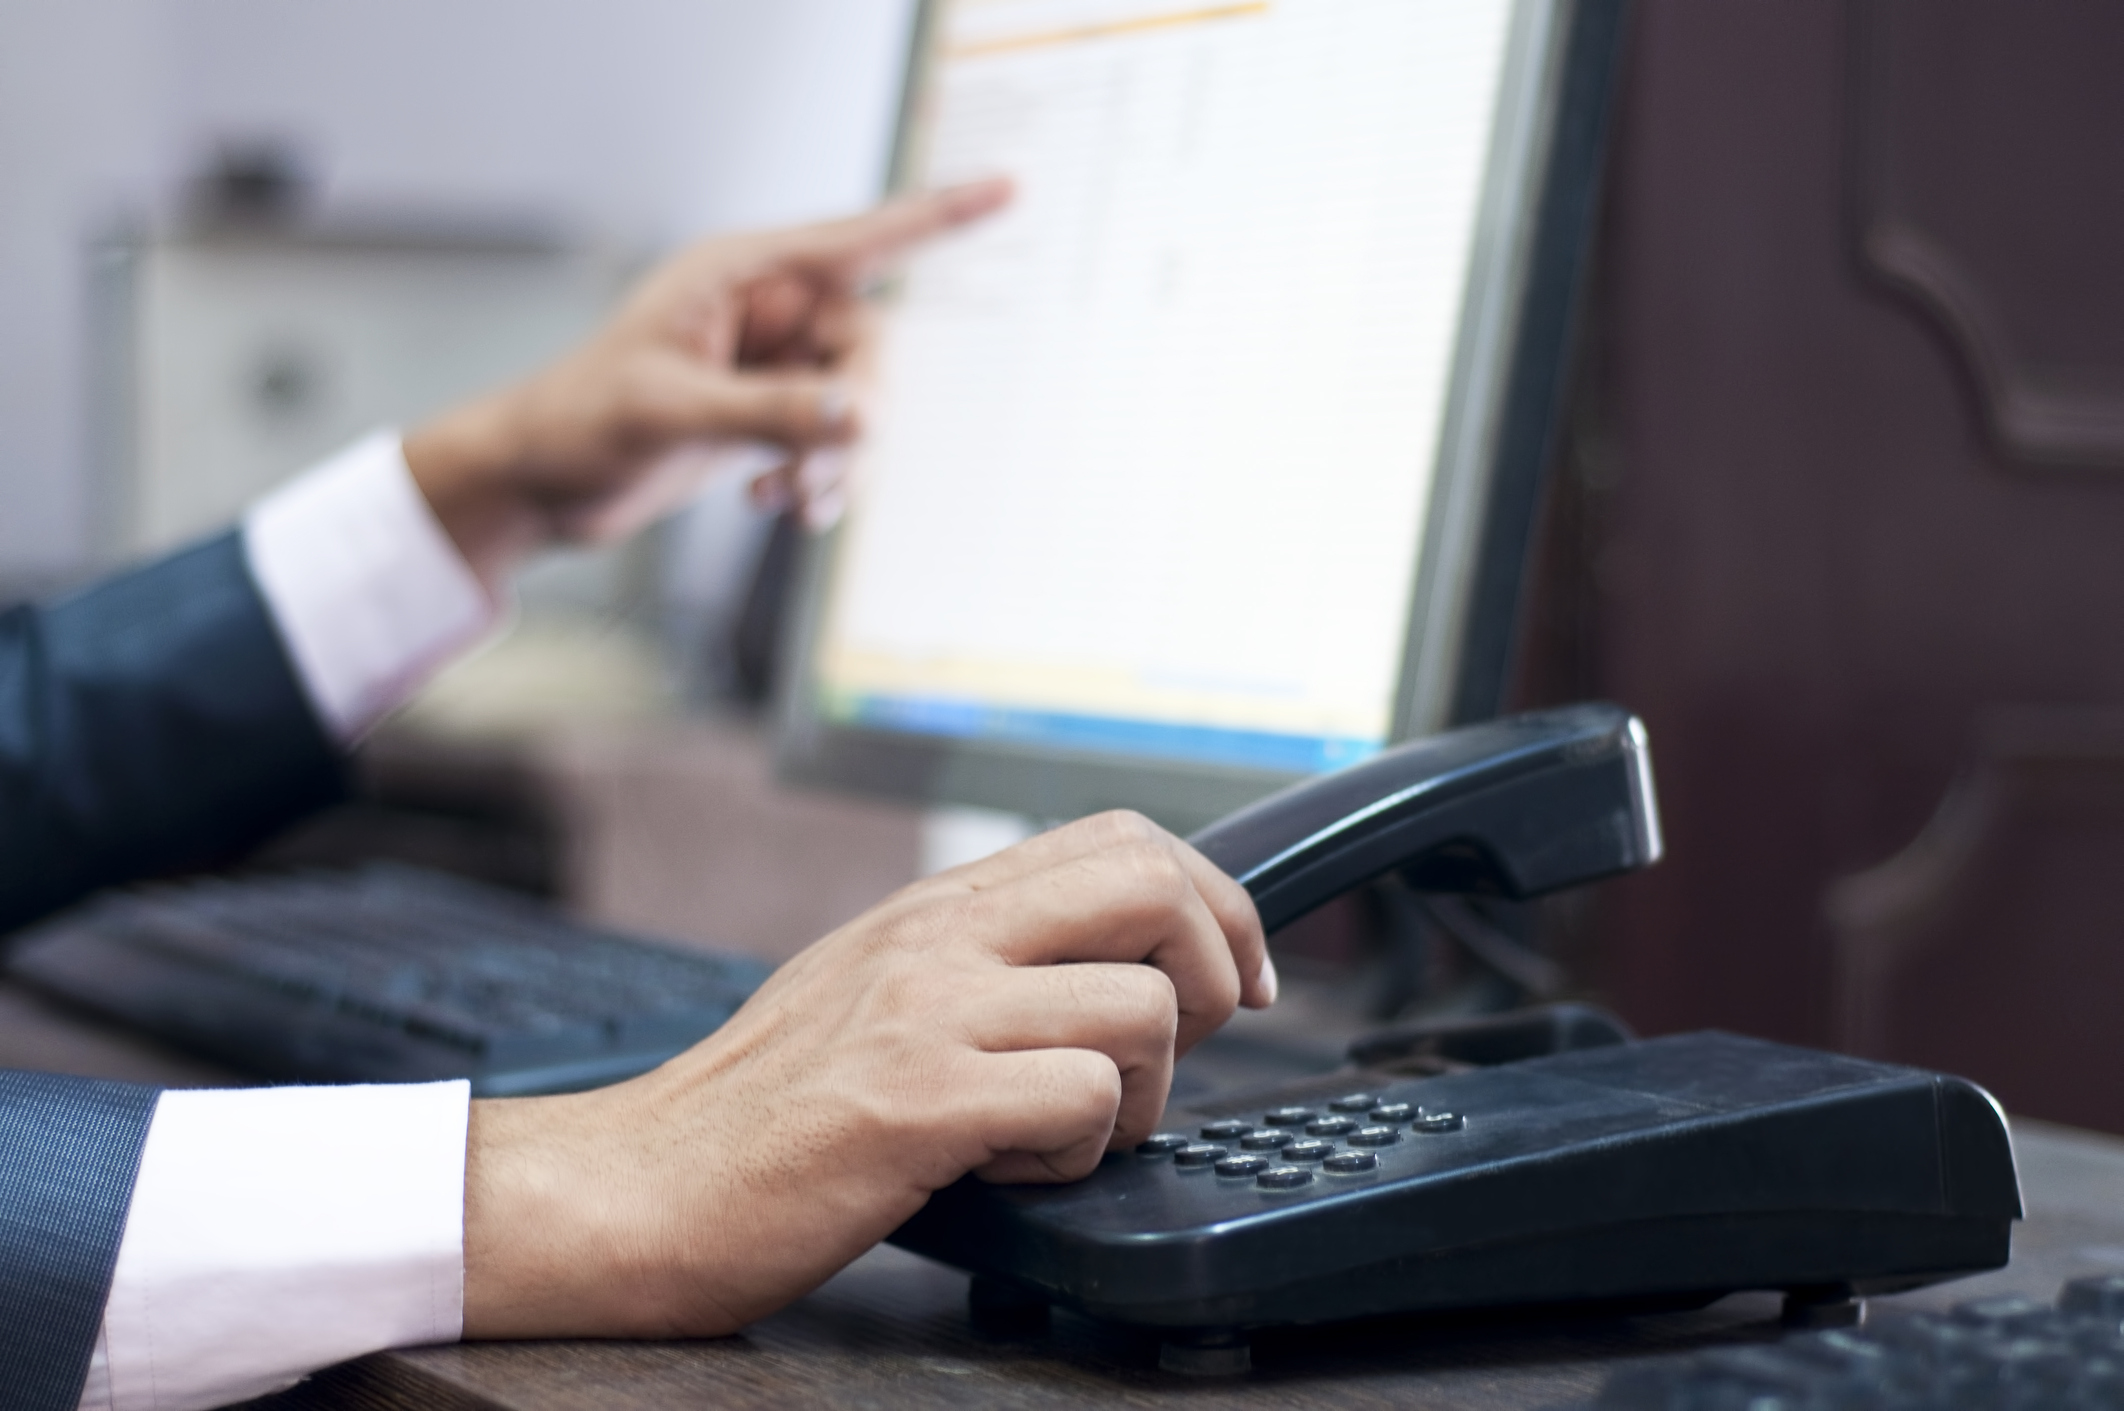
[
  {"x": 836, "y": 406},
  {"x": 823, "y": 470},
  {"x": 770, "y": 494},
  {"x": 1267, "y": 977},
  {"x": 824, "y": 511}
]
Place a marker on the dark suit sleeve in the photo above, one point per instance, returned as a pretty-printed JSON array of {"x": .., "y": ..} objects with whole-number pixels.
[
  {"x": 69, "y": 1151},
  {"x": 150, "y": 723}
]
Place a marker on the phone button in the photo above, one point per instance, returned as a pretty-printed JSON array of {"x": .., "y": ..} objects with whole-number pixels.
[
  {"x": 1308, "y": 1150},
  {"x": 1355, "y": 1102},
  {"x": 1198, "y": 1155},
  {"x": 1242, "y": 1165},
  {"x": 1161, "y": 1144},
  {"x": 1267, "y": 1141},
  {"x": 1374, "y": 1136},
  {"x": 1291, "y": 1116},
  {"x": 1231, "y": 1129},
  {"x": 1349, "y": 1163},
  {"x": 1284, "y": 1178}
]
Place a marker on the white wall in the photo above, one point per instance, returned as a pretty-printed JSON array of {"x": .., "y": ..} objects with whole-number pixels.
[
  {"x": 644, "y": 120},
  {"x": 81, "y": 84}
]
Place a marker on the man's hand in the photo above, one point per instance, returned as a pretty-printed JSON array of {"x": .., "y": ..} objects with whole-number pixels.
[
  {"x": 747, "y": 338},
  {"x": 1018, "y": 1017}
]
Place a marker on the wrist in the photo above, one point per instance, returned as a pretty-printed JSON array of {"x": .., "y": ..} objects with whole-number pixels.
[
  {"x": 468, "y": 463},
  {"x": 561, "y": 1231},
  {"x": 522, "y": 1218}
]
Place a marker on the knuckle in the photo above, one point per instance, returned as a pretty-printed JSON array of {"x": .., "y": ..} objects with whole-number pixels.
[
  {"x": 919, "y": 924},
  {"x": 1159, "y": 873},
  {"x": 1096, "y": 1086},
  {"x": 1124, "y": 826},
  {"x": 1155, "y": 1002},
  {"x": 1138, "y": 998},
  {"x": 911, "y": 985}
]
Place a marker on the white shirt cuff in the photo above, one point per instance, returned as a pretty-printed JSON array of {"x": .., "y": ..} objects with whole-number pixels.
[
  {"x": 370, "y": 595},
  {"x": 275, "y": 1231}
]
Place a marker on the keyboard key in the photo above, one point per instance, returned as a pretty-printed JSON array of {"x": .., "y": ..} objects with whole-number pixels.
[
  {"x": 2006, "y": 1351},
  {"x": 2099, "y": 1295}
]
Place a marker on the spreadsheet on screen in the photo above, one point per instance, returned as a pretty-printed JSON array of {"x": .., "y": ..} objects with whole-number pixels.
[{"x": 1151, "y": 452}]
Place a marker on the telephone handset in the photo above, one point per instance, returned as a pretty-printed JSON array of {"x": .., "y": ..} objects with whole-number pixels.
[
  {"x": 1521, "y": 806},
  {"x": 1675, "y": 1169}
]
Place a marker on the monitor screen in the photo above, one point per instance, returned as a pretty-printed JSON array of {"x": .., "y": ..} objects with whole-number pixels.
[{"x": 1174, "y": 466}]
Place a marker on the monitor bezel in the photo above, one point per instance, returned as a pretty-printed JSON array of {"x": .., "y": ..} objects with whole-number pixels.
[{"x": 1512, "y": 349}]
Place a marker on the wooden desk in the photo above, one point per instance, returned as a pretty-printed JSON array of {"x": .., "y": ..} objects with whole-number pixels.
[{"x": 891, "y": 1330}]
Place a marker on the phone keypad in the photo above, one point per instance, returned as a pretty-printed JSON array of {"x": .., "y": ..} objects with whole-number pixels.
[{"x": 1292, "y": 1143}]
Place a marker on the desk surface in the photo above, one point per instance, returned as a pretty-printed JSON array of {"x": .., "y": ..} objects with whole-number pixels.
[{"x": 891, "y": 1330}]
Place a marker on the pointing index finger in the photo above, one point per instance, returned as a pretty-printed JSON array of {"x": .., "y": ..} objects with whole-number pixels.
[{"x": 852, "y": 245}]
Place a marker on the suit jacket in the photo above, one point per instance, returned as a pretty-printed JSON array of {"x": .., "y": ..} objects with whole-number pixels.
[{"x": 150, "y": 723}]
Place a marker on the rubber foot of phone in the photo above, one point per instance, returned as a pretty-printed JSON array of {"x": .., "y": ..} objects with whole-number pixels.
[
  {"x": 1218, "y": 1353},
  {"x": 1001, "y": 1310},
  {"x": 1827, "y": 1306}
]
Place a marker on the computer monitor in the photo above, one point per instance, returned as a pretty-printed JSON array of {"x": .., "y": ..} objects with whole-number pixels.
[{"x": 1210, "y": 464}]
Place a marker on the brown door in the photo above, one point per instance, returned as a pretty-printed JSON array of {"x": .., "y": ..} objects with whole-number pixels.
[{"x": 1843, "y": 518}]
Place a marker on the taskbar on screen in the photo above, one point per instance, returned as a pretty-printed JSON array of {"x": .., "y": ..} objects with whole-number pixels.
[{"x": 1099, "y": 734}]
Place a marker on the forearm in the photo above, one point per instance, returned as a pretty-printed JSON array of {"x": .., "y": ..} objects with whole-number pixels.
[{"x": 151, "y": 722}]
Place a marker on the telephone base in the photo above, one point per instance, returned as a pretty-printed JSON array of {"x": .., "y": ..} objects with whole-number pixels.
[
  {"x": 1002, "y": 1310},
  {"x": 1682, "y": 1168},
  {"x": 1213, "y": 1352},
  {"x": 1832, "y": 1306}
]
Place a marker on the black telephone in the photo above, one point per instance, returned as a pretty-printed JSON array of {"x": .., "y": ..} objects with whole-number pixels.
[{"x": 1677, "y": 1170}]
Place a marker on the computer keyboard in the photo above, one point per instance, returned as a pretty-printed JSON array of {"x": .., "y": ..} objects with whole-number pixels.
[
  {"x": 2007, "y": 1353},
  {"x": 384, "y": 974}
]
